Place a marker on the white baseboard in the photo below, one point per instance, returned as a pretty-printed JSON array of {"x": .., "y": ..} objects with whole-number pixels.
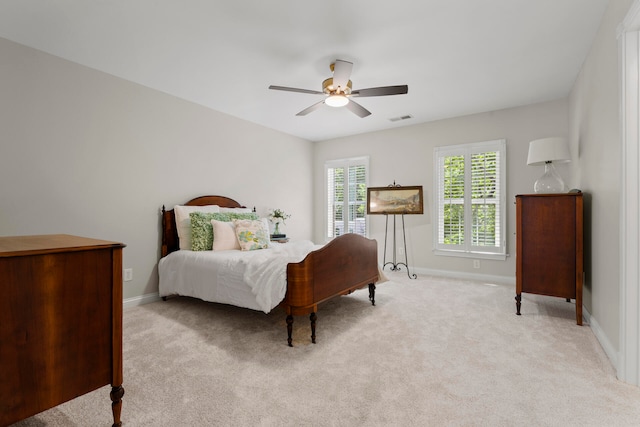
[
  {"x": 609, "y": 350},
  {"x": 489, "y": 278},
  {"x": 141, "y": 300}
]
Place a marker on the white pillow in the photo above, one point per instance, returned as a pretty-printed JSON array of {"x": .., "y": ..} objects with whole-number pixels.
[
  {"x": 224, "y": 236},
  {"x": 183, "y": 222},
  {"x": 236, "y": 210},
  {"x": 265, "y": 224}
]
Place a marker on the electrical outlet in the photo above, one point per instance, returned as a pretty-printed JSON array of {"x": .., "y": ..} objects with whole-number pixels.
[
  {"x": 128, "y": 274},
  {"x": 476, "y": 263}
]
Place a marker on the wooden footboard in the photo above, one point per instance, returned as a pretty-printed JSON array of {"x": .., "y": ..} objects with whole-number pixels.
[{"x": 347, "y": 263}]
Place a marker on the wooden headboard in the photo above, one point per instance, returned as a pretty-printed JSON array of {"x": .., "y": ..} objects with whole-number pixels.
[{"x": 169, "y": 229}]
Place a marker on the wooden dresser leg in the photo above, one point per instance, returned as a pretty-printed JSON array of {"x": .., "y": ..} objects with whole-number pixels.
[
  {"x": 518, "y": 299},
  {"x": 579, "y": 312},
  {"x": 116, "y": 407},
  {"x": 289, "y": 329},
  {"x": 372, "y": 293},
  {"x": 313, "y": 319}
]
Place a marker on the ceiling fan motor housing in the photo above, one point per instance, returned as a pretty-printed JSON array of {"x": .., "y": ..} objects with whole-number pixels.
[{"x": 327, "y": 87}]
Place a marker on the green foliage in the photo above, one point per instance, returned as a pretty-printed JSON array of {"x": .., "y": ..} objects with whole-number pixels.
[
  {"x": 454, "y": 177},
  {"x": 483, "y": 173}
]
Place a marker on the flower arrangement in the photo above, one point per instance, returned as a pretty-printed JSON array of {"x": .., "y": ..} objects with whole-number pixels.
[{"x": 278, "y": 216}]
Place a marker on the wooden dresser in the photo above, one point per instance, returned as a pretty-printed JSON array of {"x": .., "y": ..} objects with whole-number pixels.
[
  {"x": 549, "y": 243},
  {"x": 60, "y": 322}
]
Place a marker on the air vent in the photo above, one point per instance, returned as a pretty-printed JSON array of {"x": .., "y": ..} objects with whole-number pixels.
[{"x": 397, "y": 119}]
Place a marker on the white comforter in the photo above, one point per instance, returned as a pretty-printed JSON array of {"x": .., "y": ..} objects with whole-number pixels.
[{"x": 251, "y": 279}]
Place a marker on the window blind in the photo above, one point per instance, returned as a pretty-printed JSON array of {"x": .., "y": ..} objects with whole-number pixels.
[
  {"x": 346, "y": 196},
  {"x": 470, "y": 205}
]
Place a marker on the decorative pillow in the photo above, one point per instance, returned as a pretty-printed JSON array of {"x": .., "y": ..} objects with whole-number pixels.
[
  {"x": 252, "y": 234},
  {"x": 230, "y": 216},
  {"x": 236, "y": 210},
  {"x": 183, "y": 221},
  {"x": 267, "y": 226},
  {"x": 202, "y": 230},
  {"x": 225, "y": 236}
]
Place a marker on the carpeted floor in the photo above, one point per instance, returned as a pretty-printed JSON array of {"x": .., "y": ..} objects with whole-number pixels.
[{"x": 432, "y": 352}]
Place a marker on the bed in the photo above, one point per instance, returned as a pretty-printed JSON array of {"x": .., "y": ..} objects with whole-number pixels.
[{"x": 304, "y": 275}]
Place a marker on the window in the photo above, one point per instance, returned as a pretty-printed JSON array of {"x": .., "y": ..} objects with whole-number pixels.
[
  {"x": 470, "y": 205},
  {"x": 346, "y": 205}
]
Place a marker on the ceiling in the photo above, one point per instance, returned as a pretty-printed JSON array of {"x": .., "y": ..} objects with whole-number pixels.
[{"x": 457, "y": 56}]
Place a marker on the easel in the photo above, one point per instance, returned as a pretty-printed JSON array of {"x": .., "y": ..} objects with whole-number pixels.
[{"x": 395, "y": 265}]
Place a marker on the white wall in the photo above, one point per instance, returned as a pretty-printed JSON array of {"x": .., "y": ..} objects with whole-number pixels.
[
  {"x": 595, "y": 135},
  {"x": 86, "y": 153},
  {"x": 405, "y": 155}
]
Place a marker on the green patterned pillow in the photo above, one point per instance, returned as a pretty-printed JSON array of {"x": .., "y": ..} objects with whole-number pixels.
[
  {"x": 202, "y": 230},
  {"x": 230, "y": 216},
  {"x": 252, "y": 234}
]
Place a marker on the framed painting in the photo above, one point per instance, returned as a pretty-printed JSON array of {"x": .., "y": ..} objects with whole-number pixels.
[{"x": 395, "y": 200}]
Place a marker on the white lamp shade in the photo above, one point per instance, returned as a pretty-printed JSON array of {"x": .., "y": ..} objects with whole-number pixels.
[{"x": 548, "y": 150}]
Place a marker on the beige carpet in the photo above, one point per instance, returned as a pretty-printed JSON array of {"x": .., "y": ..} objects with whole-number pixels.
[{"x": 432, "y": 352}]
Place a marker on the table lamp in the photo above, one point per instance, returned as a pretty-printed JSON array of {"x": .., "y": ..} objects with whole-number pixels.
[{"x": 547, "y": 151}]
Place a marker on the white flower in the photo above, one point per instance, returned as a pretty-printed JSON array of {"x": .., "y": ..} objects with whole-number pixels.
[{"x": 278, "y": 215}]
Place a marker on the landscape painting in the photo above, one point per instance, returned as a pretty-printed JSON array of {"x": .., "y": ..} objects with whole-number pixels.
[{"x": 394, "y": 200}]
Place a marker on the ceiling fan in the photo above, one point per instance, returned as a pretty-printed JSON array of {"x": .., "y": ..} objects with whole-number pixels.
[{"x": 338, "y": 93}]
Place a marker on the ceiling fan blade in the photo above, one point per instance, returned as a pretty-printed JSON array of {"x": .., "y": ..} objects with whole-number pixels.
[
  {"x": 357, "y": 109},
  {"x": 293, "y": 89},
  {"x": 308, "y": 110},
  {"x": 381, "y": 91},
  {"x": 341, "y": 73}
]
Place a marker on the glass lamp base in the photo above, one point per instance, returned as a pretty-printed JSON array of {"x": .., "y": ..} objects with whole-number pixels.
[{"x": 550, "y": 182}]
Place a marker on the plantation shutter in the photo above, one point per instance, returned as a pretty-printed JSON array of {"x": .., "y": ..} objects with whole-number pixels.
[
  {"x": 346, "y": 196},
  {"x": 485, "y": 196},
  {"x": 470, "y": 206},
  {"x": 451, "y": 224}
]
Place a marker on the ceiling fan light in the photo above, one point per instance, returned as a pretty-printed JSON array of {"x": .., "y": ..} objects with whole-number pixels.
[{"x": 336, "y": 101}]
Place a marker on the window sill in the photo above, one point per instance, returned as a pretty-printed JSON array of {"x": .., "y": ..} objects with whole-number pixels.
[{"x": 474, "y": 255}]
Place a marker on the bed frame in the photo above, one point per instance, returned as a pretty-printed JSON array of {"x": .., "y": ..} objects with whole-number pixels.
[{"x": 347, "y": 263}]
